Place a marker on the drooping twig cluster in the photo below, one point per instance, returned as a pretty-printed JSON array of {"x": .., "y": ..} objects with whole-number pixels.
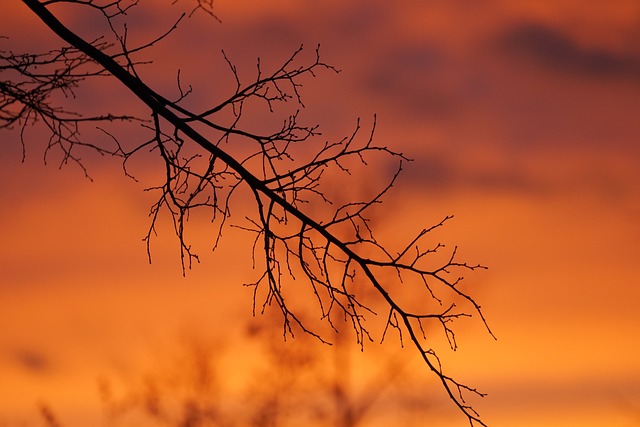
[
  {"x": 306, "y": 239},
  {"x": 33, "y": 89}
]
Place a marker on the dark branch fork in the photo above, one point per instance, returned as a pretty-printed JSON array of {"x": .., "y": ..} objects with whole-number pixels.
[{"x": 326, "y": 254}]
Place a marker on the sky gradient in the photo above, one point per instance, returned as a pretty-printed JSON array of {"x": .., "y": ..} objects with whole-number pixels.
[{"x": 522, "y": 120}]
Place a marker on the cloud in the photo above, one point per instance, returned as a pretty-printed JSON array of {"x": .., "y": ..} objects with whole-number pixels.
[
  {"x": 553, "y": 49},
  {"x": 440, "y": 174},
  {"x": 32, "y": 361},
  {"x": 421, "y": 79}
]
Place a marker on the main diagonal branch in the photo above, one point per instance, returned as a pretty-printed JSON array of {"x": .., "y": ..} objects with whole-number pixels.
[{"x": 329, "y": 262}]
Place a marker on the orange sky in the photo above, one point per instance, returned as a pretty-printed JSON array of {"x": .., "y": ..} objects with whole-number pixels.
[{"x": 522, "y": 118}]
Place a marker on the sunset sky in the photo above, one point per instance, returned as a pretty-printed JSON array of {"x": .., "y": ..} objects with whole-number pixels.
[{"x": 522, "y": 119}]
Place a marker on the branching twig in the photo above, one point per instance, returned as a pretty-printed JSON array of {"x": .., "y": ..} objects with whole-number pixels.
[{"x": 305, "y": 237}]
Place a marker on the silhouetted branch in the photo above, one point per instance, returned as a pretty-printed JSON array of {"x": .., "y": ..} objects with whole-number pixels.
[{"x": 304, "y": 236}]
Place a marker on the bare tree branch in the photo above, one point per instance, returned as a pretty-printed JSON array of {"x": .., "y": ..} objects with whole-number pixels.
[{"x": 304, "y": 236}]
